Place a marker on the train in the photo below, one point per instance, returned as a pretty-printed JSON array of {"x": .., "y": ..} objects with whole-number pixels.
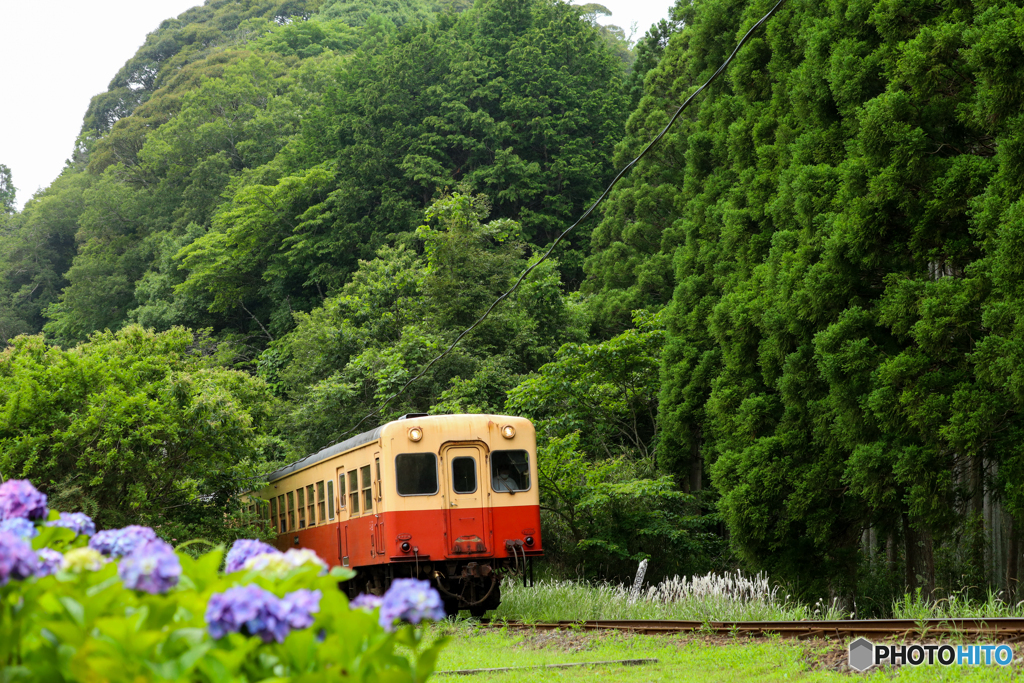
[{"x": 452, "y": 499}]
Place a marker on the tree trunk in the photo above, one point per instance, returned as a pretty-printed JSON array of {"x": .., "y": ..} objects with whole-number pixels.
[
  {"x": 928, "y": 552},
  {"x": 1012, "y": 564},
  {"x": 977, "y": 517},
  {"x": 910, "y": 555},
  {"x": 696, "y": 478}
]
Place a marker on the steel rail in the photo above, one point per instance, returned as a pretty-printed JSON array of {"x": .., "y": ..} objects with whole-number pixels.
[{"x": 1002, "y": 628}]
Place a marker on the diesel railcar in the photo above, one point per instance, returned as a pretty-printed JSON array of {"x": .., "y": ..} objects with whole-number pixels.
[{"x": 449, "y": 498}]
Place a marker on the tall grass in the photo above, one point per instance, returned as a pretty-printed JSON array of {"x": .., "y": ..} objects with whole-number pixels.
[
  {"x": 955, "y": 606},
  {"x": 728, "y": 597}
]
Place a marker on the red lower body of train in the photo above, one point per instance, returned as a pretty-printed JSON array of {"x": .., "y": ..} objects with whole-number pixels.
[{"x": 464, "y": 552}]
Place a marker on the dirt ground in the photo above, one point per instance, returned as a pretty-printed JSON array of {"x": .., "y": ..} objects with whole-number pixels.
[{"x": 819, "y": 654}]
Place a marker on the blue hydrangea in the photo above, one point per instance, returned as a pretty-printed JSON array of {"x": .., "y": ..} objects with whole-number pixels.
[
  {"x": 17, "y": 559},
  {"x": 366, "y": 601},
  {"x": 254, "y": 611},
  {"x": 410, "y": 600},
  {"x": 49, "y": 561},
  {"x": 249, "y": 610},
  {"x": 20, "y": 527},
  {"x": 152, "y": 567},
  {"x": 19, "y": 498},
  {"x": 300, "y": 606},
  {"x": 120, "y": 542},
  {"x": 79, "y": 522},
  {"x": 242, "y": 550}
]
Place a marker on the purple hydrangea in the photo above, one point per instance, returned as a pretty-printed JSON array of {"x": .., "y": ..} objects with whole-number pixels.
[
  {"x": 300, "y": 606},
  {"x": 152, "y": 567},
  {"x": 121, "y": 542},
  {"x": 250, "y": 610},
  {"x": 79, "y": 522},
  {"x": 19, "y": 498},
  {"x": 242, "y": 550},
  {"x": 49, "y": 561},
  {"x": 410, "y": 600},
  {"x": 366, "y": 601},
  {"x": 17, "y": 559},
  {"x": 20, "y": 527}
]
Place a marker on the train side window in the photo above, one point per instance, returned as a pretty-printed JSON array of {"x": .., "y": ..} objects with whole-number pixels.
[
  {"x": 282, "y": 519},
  {"x": 464, "y": 475},
  {"x": 273, "y": 511},
  {"x": 510, "y": 471},
  {"x": 353, "y": 492},
  {"x": 311, "y": 505},
  {"x": 330, "y": 498},
  {"x": 341, "y": 492},
  {"x": 291, "y": 511},
  {"x": 300, "y": 492},
  {"x": 367, "y": 489},
  {"x": 416, "y": 474},
  {"x": 321, "y": 503}
]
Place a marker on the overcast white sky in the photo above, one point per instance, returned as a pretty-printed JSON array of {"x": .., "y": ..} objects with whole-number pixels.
[{"x": 56, "y": 54}]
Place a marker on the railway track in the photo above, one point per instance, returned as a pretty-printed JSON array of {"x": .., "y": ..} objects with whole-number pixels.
[{"x": 1010, "y": 630}]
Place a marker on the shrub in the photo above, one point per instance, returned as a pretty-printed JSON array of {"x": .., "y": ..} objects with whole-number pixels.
[{"x": 124, "y": 605}]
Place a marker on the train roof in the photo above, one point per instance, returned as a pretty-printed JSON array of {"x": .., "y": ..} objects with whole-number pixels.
[
  {"x": 330, "y": 451},
  {"x": 346, "y": 445}
]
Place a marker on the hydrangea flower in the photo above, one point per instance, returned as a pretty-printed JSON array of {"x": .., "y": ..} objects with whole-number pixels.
[
  {"x": 278, "y": 563},
  {"x": 19, "y": 498},
  {"x": 79, "y": 522},
  {"x": 17, "y": 559},
  {"x": 83, "y": 559},
  {"x": 120, "y": 542},
  {"x": 49, "y": 561},
  {"x": 242, "y": 550},
  {"x": 20, "y": 527},
  {"x": 269, "y": 563},
  {"x": 298, "y": 557},
  {"x": 250, "y": 610},
  {"x": 300, "y": 606},
  {"x": 366, "y": 601},
  {"x": 410, "y": 600},
  {"x": 152, "y": 567}
]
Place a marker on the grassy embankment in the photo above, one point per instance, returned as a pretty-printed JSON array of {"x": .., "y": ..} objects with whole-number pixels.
[
  {"x": 696, "y": 658},
  {"x": 693, "y": 657}
]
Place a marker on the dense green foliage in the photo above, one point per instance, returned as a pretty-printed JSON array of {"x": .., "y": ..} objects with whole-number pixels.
[
  {"x": 402, "y": 308},
  {"x": 135, "y": 427},
  {"x": 832, "y": 234}
]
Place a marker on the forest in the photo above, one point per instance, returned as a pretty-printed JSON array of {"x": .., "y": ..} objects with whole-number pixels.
[{"x": 791, "y": 340}]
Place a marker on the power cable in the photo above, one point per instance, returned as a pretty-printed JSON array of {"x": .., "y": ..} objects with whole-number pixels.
[{"x": 586, "y": 214}]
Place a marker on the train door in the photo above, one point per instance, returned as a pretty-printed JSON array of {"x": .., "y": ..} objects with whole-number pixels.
[
  {"x": 342, "y": 502},
  {"x": 378, "y": 490},
  {"x": 462, "y": 467}
]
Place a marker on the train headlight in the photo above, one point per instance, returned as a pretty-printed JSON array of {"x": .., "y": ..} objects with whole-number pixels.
[
  {"x": 415, "y": 434},
  {"x": 529, "y": 540},
  {"x": 508, "y": 431},
  {"x": 405, "y": 547}
]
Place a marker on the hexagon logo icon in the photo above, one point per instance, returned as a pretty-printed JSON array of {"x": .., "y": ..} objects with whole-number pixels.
[{"x": 861, "y": 654}]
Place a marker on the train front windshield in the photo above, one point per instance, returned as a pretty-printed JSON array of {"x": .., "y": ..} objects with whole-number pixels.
[{"x": 510, "y": 471}]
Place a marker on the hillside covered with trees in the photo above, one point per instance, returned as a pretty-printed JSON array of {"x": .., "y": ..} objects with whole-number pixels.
[{"x": 791, "y": 340}]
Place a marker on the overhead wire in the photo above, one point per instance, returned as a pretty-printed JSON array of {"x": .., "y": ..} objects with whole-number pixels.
[{"x": 586, "y": 214}]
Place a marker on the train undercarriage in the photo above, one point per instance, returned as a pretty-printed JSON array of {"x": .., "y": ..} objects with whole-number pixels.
[{"x": 473, "y": 585}]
